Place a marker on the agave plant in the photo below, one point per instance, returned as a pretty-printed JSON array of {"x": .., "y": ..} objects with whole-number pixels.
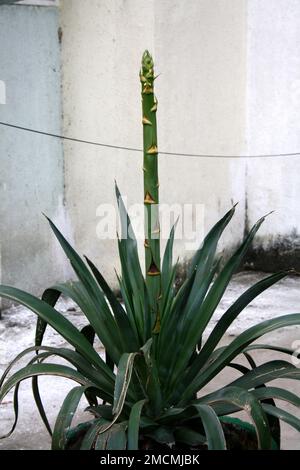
[{"x": 149, "y": 387}]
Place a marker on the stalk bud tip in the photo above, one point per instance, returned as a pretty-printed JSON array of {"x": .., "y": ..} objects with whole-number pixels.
[
  {"x": 147, "y": 63},
  {"x": 147, "y": 72}
]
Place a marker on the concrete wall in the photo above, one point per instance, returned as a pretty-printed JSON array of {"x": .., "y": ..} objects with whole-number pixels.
[
  {"x": 229, "y": 84},
  {"x": 200, "y": 52},
  {"x": 31, "y": 166},
  {"x": 273, "y": 125}
]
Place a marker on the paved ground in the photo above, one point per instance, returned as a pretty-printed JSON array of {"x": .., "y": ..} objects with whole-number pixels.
[{"x": 17, "y": 333}]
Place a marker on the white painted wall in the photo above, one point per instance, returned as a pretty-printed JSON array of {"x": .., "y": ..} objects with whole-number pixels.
[
  {"x": 229, "y": 84},
  {"x": 200, "y": 52},
  {"x": 273, "y": 117},
  {"x": 31, "y": 166}
]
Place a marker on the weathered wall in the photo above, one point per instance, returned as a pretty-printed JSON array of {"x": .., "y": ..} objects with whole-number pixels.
[
  {"x": 229, "y": 84},
  {"x": 31, "y": 166},
  {"x": 200, "y": 52},
  {"x": 273, "y": 125}
]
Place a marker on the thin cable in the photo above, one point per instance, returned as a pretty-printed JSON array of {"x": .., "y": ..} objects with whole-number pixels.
[
  {"x": 132, "y": 149},
  {"x": 73, "y": 139}
]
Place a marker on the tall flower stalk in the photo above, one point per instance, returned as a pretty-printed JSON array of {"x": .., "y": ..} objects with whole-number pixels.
[{"x": 151, "y": 184}]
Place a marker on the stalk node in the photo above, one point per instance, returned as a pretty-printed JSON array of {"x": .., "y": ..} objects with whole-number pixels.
[
  {"x": 153, "y": 270},
  {"x": 146, "y": 121},
  {"x": 152, "y": 150},
  {"x": 149, "y": 199},
  {"x": 147, "y": 90}
]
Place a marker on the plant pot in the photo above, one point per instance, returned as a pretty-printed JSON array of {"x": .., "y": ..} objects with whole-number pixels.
[{"x": 240, "y": 435}]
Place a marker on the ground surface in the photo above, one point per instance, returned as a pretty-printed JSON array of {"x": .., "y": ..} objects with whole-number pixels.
[{"x": 17, "y": 333}]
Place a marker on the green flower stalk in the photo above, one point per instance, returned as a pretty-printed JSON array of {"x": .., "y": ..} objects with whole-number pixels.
[{"x": 151, "y": 184}]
